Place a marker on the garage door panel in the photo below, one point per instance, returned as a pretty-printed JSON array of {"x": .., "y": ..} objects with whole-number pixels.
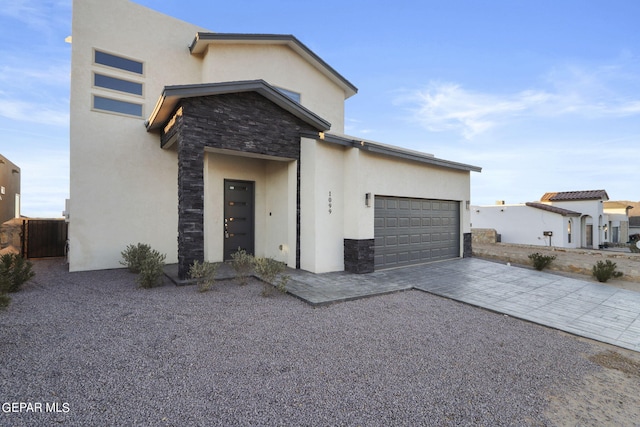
[{"x": 411, "y": 231}]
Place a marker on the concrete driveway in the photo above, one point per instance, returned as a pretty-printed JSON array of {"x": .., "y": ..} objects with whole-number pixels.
[{"x": 588, "y": 309}]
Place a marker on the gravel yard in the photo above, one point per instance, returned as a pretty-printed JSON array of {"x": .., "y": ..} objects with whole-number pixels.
[{"x": 109, "y": 353}]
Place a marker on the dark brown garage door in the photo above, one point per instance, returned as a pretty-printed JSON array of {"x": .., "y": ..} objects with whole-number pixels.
[{"x": 412, "y": 231}]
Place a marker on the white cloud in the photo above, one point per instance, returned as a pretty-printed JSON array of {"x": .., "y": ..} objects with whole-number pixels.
[
  {"x": 40, "y": 15},
  {"x": 448, "y": 106},
  {"x": 34, "y": 112}
]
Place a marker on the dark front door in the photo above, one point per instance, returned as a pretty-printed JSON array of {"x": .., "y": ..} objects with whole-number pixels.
[{"x": 238, "y": 217}]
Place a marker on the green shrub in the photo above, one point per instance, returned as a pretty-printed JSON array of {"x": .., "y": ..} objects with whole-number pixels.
[
  {"x": 204, "y": 273},
  {"x": 604, "y": 271},
  {"x": 14, "y": 272},
  {"x": 147, "y": 262},
  {"x": 540, "y": 262},
  {"x": 268, "y": 269},
  {"x": 242, "y": 263},
  {"x": 151, "y": 270},
  {"x": 134, "y": 256},
  {"x": 4, "y": 301}
]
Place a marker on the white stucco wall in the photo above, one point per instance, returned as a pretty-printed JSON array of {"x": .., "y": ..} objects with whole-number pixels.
[
  {"x": 123, "y": 187},
  {"x": 279, "y": 66},
  {"x": 592, "y": 213},
  {"x": 525, "y": 225},
  {"x": 322, "y": 232}
]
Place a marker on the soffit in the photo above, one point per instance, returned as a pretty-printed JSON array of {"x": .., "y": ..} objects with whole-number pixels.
[
  {"x": 171, "y": 96},
  {"x": 203, "y": 39}
]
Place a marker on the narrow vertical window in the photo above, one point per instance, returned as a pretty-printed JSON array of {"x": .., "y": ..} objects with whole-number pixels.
[{"x": 569, "y": 231}]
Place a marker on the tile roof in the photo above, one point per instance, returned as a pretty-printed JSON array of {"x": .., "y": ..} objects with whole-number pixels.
[
  {"x": 554, "y": 209},
  {"x": 575, "y": 195}
]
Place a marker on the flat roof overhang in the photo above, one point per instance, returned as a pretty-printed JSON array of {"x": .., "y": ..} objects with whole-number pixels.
[
  {"x": 203, "y": 39},
  {"x": 392, "y": 150},
  {"x": 171, "y": 96}
]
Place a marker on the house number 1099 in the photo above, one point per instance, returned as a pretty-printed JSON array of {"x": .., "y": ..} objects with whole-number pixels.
[{"x": 329, "y": 202}]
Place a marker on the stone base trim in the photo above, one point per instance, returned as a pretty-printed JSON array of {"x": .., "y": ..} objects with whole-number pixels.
[
  {"x": 359, "y": 255},
  {"x": 467, "y": 245}
]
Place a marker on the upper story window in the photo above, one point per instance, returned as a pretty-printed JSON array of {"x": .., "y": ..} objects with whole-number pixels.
[
  {"x": 118, "y": 62},
  {"x": 290, "y": 94},
  {"x": 111, "y": 92},
  {"x": 113, "y": 83},
  {"x": 117, "y": 106}
]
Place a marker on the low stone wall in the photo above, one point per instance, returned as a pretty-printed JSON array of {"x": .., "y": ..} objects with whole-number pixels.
[
  {"x": 10, "y": 234},
  {"x": 484, "y": 235},
  {"x": 578, "y": 261}
]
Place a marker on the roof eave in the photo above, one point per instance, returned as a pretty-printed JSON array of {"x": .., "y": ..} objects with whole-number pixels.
[
  {"x": 171, "y": 95},
  {"x": 399, "y": 152},
  {"x": 202, "y": 39}
]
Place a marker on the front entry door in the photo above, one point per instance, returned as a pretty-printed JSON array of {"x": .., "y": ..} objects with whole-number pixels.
[
  {"x": 238, "y": 217},
  {"x": 589, "y": 235}
]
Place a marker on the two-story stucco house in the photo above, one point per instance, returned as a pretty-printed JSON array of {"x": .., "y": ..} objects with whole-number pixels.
[
  {"x": 199, "y": 143},
  {"x": 9, "y": 190}
]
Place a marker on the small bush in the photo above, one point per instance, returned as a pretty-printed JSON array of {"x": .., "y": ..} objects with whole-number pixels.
[
  {"x": 4, "y": 301},
  {"x": 268, "y": 269},
  {"x": 540, "y": 262},
  {"x": 204, "y": 273},
  {"x": 242, "y": 263},
  {"x": 604, "y": 271},
  {"x": 14, "y": 272},
  {"x": 134, "y": 256},
  {"x": 150, "y": 269}
]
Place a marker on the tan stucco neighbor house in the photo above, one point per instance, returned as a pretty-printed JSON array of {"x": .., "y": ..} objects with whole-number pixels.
[{"x": 198, "y": 143}]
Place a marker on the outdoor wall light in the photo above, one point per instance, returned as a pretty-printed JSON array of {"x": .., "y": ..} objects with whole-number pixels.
[
  {"x": 367, "y": 199},
  {"x": 467, "y": 204}
]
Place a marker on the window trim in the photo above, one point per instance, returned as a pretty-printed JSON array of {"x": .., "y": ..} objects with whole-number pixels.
[
  {"x": 109, "y": 67},
  {"x": 119, "y": 113},
  {"x": 94, "y": 86}
]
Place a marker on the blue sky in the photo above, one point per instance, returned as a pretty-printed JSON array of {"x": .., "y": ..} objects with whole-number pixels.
[{"x": 543, "y": 95}]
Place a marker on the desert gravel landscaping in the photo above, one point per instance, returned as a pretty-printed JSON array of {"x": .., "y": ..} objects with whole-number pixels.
[{"x": 93, "y": 349}]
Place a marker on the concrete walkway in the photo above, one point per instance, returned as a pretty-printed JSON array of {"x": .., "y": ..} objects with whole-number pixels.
[{"x": 588, "y": 309}]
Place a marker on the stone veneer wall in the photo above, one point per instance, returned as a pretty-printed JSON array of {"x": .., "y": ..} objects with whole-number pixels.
[
  {"x": 359, "y": 255},
  {"x": 467, "y": 248},
  {"x": 578, "y": 261},
  {"x": 245, "y": 122},
  {"x": 484, "y": 235},
  {"x": 11, "y": 236}
]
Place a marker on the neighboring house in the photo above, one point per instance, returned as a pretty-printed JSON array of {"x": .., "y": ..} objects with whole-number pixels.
[
  {"x": 617, "y": 225},
  {"x": 9, "y": 190},
  {"x": 634, "y": 218},
  {"x": 198, "y": 143},
  {"x": 569, "y": 219}
]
